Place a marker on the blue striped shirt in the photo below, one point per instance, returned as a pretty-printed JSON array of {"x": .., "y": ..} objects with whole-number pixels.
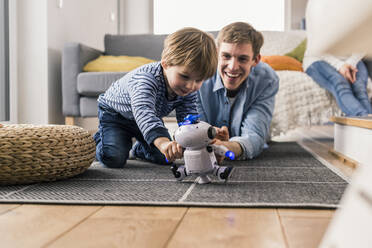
[{"x": 141, "y": 95}]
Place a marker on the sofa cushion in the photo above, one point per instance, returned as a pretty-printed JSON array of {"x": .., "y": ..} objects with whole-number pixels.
[
  {"x": 280, "y": 43},
  {"x": 145, "y": 45},
  {"x": 88, "y": 106},
  {"x": 95, "y": 83},
  {"x": 116, "y": 63},
  {"x": 280, "y": 63},
  {"x": 299, "y": 51}
]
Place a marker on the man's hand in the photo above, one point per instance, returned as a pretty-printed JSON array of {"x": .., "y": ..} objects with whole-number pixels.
[
  {"x": 170, "y": 149},
  {"x": 348, "y": 72},
  {"x": 222, "y": 133}
]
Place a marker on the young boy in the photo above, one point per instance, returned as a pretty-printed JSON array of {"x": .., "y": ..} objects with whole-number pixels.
[{"x": 134, "y": 105}]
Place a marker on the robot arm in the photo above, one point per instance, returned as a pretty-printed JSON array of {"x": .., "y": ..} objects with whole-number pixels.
[{"x": 223, "y": 151}]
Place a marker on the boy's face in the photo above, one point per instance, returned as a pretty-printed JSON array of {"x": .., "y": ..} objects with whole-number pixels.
[
  {"x": 235, "y": 62},
  {"x": 181, "y": 81}
]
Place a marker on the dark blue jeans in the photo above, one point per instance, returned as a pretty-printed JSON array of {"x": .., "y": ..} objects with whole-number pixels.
[
  {"x": 114, "y": 140},
  {"x": 352, "y": 98}
]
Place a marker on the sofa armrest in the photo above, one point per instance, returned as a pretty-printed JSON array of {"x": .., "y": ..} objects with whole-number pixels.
[{"x": 74, "y": 57}]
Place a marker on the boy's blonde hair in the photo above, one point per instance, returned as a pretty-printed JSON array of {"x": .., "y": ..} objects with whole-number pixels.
[
  {"x": 192, "y": 48},
  {"x": 241, "y": 32}
]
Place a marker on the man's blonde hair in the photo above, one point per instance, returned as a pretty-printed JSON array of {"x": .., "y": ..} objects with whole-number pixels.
[
  {"x": 192, "y": 48},
  {"x": 241, "y": 32}
]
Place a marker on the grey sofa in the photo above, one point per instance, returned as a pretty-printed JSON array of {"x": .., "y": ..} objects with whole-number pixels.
[{"x": 81, "y": 89}]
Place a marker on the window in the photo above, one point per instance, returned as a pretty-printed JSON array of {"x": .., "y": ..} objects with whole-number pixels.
[
  {"x": 211, "y": 15},
  {"x": 4, "y": 61}
]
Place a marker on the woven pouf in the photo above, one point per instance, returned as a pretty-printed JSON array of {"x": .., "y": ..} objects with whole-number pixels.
[{"x": 40, "y": 153}]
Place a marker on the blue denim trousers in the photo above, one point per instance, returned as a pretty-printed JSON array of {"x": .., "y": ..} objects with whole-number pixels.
[
  {"x": 114, "y": 140},
  {"x": 352, "y": 98}
]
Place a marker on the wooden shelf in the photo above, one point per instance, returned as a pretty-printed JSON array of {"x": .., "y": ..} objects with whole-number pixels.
[{"x": 365, "y": 122}]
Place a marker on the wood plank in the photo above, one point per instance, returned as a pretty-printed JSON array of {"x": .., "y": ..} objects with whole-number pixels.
[
  {"x": 36, "y": 225},
  {"x": 4, "y": 207},
  {"x": 69, "y": 120},
  {"x": 306, "y": 213},
  {"x": 344, "y": 159},
  {"x": 229, "y": 227},
  {"x": 302, "y": 219},
  {"x": 124, "y": 227},
  {"x": 304, "y": 232},
  {"x": 364, "y": 122}
]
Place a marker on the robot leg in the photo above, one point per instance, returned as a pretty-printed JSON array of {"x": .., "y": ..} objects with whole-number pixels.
[
  {"x": 179, "y": 172},
  {"x": 222, "y": 172}
]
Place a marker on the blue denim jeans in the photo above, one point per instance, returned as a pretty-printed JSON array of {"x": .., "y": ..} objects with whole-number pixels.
[
  {"x": 352, "y": 98},
  {"x": 114, "y": 140}
]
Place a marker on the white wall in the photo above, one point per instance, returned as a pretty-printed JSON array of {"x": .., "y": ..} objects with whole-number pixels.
[
  {"x": 136, "y": 16},
  {"x": 42, "y": 29},
  {"x": 85, "y": 21},
  {"x": 298, "y": 8},
  {"x": 32, "y": 61}
]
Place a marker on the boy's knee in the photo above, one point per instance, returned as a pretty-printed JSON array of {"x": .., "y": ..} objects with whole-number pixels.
[{"x": 113, "y": 158}]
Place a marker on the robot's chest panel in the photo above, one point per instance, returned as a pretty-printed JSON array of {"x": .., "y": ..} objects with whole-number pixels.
[{"x": 199, "y": 161}]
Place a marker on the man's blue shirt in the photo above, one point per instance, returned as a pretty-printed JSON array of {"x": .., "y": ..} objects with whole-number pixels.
[{"x": 249, "y": 118}]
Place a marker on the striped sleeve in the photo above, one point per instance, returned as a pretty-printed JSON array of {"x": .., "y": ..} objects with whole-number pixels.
[
  {"x": 188, "y": 106},
  {"x": 143, "y": 90}
]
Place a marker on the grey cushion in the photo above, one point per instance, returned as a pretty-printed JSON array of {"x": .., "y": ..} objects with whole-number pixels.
[
  {"x": 95, "y": 83},
  {"x": 88, "y": 106},
  {"x": 145, "y": 45}
]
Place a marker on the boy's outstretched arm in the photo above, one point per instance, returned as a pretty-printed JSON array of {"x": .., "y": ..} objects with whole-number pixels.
[{"x": 170, "y": 149}]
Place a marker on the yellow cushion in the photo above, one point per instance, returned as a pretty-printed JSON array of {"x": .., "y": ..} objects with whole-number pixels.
[
  {"x": 282, "y": 62},
  {"x": 116, "y": 63}
]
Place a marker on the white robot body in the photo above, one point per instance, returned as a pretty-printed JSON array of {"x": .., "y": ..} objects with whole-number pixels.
[
  {"x": 199, "y": 155},
  {"x": 199, "y": 161}
]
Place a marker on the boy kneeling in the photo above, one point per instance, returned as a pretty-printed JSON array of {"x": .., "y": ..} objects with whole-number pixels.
[{"x": 134, "y": 105}]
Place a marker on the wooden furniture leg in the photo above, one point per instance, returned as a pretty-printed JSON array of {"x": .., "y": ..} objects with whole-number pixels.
[{"x": 69, "y": 120}]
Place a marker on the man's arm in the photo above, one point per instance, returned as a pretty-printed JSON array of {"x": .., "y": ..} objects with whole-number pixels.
[{"x": 256, "y": 122}]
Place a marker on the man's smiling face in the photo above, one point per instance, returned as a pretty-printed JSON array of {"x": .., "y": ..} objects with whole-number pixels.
[{"x": 235, "y": 61}]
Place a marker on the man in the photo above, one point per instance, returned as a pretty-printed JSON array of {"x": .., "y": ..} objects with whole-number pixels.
[{"x": 239, "y": 99}]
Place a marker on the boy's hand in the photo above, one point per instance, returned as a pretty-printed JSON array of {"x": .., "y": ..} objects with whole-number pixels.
[{"x": 171, "y": 149}]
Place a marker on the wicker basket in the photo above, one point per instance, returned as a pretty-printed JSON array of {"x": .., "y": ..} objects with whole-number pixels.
[{"x": 40, "y": 153}]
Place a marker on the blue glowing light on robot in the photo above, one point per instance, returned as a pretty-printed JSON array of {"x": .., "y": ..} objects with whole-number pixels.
[
  {"x": 230, "y": 155},
  {"x": 189, "y": 119}
]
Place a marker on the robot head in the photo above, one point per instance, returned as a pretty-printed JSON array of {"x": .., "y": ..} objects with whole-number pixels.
[{"x": 195, "y": 135}]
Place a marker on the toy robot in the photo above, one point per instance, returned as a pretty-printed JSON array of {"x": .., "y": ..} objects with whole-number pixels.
[{"x": 199, "y": 155}]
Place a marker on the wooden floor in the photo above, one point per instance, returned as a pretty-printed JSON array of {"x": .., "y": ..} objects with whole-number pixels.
[{"x": 120, "y": 226}]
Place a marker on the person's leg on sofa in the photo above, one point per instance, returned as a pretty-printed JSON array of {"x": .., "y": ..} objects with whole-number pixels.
[
  {"x": 359, "y": 87},
  {"x": 330, "y": 79}
]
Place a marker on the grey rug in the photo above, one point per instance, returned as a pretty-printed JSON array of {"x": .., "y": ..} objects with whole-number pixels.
[{"x": 284, "y": 175}]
